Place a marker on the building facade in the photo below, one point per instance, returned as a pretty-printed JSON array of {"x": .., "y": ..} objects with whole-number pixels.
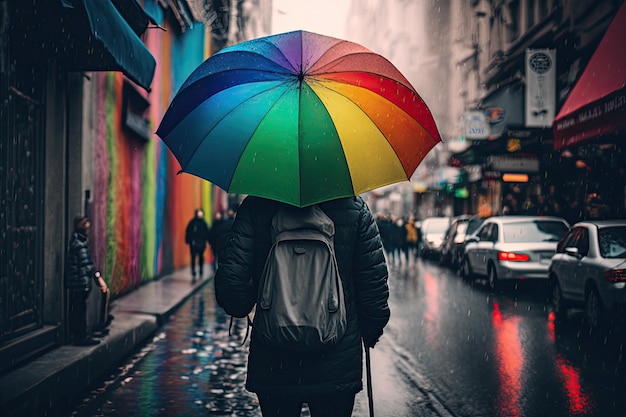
[
  {"x": 84, "y": 84},
  {"x": 518, "y": 156}
]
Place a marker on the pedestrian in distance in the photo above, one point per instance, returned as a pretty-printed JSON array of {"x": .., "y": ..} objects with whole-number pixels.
[
  {"x": 327, "y": 380},
  {"x": 197, "y": 237},
  {"x": 219, "y": 233},
  {"x": 410, "y": 243},
  {"x": 78, "y": 281}
]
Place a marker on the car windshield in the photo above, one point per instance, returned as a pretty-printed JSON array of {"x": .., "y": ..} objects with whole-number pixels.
[
  {"x": 437, "y": 226},
  {"x": 534, "y": 231},
  {"x": 473, "y": 224},
  {"x": 461, "y": 228},
  {"x": 612, "y": 242}
]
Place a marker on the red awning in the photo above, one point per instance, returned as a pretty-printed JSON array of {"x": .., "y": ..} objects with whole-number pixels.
[{"x": 596, "y": 106}]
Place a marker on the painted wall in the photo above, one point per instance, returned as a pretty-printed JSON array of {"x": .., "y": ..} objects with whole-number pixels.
[{"x": 140, "y": 207}]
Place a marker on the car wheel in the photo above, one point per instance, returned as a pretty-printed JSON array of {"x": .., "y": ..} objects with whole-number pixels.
[
  {"x": 493, "y": 277},
  {"x": 594, "y": 310},
  {"x": 558, "y": 303},
  {"x": 466, "y": 269}
]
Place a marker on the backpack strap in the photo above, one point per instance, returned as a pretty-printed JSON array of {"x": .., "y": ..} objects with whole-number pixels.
[{"x": 249, "y": 324}]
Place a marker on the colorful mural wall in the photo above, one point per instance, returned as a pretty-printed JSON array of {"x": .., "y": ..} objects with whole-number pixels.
[{"x": 140, "y": 207}]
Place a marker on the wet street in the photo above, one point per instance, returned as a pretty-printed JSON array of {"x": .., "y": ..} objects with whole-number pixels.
[
  {"x": 501, "y": 354},
  {"x": 477, "y": 353}
]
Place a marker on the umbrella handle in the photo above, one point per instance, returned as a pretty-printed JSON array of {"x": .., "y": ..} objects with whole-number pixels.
[{"x": 368, "y": 371}]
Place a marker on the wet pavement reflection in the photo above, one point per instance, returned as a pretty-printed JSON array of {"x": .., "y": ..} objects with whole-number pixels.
[
  {"x": 476, "y": 352},
  {"x": 502, "y": 353},
  {"x": 193, "y": 366}
]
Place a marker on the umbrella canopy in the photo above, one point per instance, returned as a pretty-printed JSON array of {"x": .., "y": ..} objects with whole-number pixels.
[{"x": 299, "y": 118}]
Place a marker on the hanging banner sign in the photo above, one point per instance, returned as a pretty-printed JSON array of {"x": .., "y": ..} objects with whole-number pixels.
[
  {"x": 540, "y": 87},
  {"x": 475, "y": 125}
]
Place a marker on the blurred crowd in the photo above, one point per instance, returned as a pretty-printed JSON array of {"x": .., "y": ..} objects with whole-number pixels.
[
  {"x": 400, "y": 236},
  {"x": 553, "y": 204}
]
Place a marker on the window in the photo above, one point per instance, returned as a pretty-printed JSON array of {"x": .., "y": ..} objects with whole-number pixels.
[
  {"x": 515, "y": 29},
  {"x": 534, "y": 231},
  {"x": 569, "y": 241},
  {"x": 485, "y": 232},
  {"x": 530, "y": 13},
  {"x": 494, "y": 233},
  {"x": 612, "y": 241},
  {"x": 134, "y": 120},
  {"x": 583, "y": 242}
]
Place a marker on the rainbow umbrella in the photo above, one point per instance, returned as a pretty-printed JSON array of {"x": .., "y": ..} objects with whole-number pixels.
[{"x": 299, "y": 118}]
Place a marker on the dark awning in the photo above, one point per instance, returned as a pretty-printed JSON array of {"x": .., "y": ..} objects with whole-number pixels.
[
  {"x": 100, "y": 39},
  {"x": 596, "y": 106},
  {"x": 135, "y": 15}
]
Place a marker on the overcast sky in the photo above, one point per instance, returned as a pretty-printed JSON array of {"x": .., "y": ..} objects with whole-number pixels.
[{"x": 326, "y": 17}]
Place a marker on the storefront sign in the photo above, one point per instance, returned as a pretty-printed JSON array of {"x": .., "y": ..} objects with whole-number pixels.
[
  {"x": 496, "y": 117},
  {"x": 475, "y": 125},
  {"x": 504, "y": 163},
  {"x": 540, "y": 87}
]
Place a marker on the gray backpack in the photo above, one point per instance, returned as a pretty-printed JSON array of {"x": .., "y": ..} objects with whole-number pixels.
[{"x": 300, "y": 304}]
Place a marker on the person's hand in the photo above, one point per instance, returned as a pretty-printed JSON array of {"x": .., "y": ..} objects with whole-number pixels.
[
  {"x": 371, "y": 336},
  {"x": 103, "y": 284}
]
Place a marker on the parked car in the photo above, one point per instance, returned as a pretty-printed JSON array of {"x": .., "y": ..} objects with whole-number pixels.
[
  {"x": 454, "y": 240},
  {"x": 433, "y": 230},
  {"x": 513, "y": 248},
  {"x": 589, "y": 271}
]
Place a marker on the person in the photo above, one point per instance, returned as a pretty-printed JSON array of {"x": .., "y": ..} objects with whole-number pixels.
[
  {"x": 197, "y": 236},
  {"x": 552, "y": 203},
  {"x": 509, "y": 205},
  {"x": 328, "y": 380},
  {"x": 219, "y": 233},
  {"x": 78, "y": 280},
  {"x": 384, "y": 225},
  {"x": 594, "y": 208},
  {"x": 410, "y": 243}
]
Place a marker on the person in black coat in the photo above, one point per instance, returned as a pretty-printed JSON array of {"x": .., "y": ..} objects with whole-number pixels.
[
  {"x": 327, "y": 381},
  {"x": 78, "y": 280},
  {"x": 219, "y": 233},
  {"x": 197, "y": 237}
]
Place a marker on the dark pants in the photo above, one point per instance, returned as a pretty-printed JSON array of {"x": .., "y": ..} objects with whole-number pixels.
[
  {"x": 197, "y": 256},
  {"x": 77, "y": 314},
  {"x": 335, "y": 405}
]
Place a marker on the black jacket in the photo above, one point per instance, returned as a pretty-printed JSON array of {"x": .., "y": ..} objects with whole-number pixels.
[
  {"x": 364, "y": 273},
  {"x": 80, "y": 268},
  {"x": 197, "y": 234}
]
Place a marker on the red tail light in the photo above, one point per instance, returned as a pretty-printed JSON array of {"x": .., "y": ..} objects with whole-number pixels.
[
  {"x": 616, "y": 275},
  {"x": 512, "y": 256}
]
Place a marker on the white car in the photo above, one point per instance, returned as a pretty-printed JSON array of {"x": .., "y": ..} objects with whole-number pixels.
[
  {"x": 433, "y": 230},
  {"x": 589, "y": 271},
  {"x": 512, "y": 248}
]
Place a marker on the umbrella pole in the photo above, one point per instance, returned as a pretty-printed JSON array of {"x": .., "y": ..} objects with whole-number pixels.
[{"x": 368, "y": 370}]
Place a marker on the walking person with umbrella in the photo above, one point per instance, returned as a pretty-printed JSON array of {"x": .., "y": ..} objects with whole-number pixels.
[
  {"x": 304, "y": 120},
  {"x": 326, "y": 380}
]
